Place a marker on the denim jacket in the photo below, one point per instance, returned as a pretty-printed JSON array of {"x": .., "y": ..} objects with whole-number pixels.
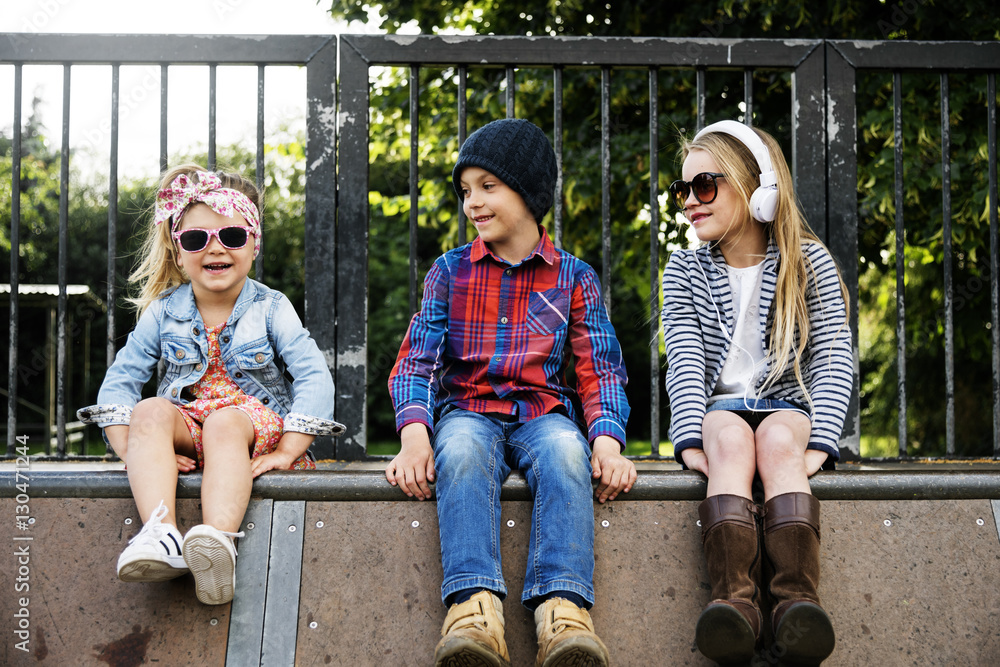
[{"x": 262, "y": 344}]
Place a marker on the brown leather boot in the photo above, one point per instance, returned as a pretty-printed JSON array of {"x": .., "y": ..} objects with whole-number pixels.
[
  {"x": 472, "y": 635},
  {"x": 566, "y": 636},
  {"x": 729, "y": 627},
  {"x": 802, "y": 630}
]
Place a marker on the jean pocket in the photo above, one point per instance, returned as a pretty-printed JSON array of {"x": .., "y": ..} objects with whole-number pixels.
[{"x": 548, "y": 311}]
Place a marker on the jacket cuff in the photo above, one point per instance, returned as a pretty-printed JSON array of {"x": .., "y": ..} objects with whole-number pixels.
[
  {"x": 106, "y": 414},
  {"x": 301, "y": 423}
]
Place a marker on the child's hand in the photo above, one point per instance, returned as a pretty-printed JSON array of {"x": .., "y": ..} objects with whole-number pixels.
[
  {"x": 185, "y": 464},
  {"x": 695, "y": 459},
  {"x": 616, "y": 473},
  {"x": 413, "y": 468},
  {"x": 815, "y": 458},
  {"x": 276, "y": 460}
]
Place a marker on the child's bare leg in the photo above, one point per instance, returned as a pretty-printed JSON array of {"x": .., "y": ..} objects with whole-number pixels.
[
  {"x": 781, "y": 447},
  {"x": 225, "y": 489},
  {"x": 157, "y": 433},
  {"x": 729, "y": 446}
]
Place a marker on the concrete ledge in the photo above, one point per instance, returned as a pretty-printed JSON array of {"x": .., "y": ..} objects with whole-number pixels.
[{"x": 652, "y": 484}]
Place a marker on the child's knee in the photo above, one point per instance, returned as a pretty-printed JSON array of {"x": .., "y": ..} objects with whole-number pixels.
[
  {"x": 224, "y": 424},
  {"x": 732, "y": 442},
  {"x": 153, "y": 414}
]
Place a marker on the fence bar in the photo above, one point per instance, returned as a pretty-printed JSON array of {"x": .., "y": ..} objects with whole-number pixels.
[
  {"x": 15, "y": 246},
  {"x": 606, "y": 185},
  {"x": 991, "y": 112},
  {"x": 63, "y": 259},
  {"x": 700, "y": 99},
  {"x": 414, "y": 178},
  {"x": 949, "y": 332},
  {"x": 463, "y": 131},
  {"x": 557, "y": 112},
  {"x": 897, "y": 121},
  {"x": 163, "y": 117},
  {"x": 511, "y": 90},
  {"x": 261, "y": 178},
  {"x": 347, "y": 279},
  {"x": 654, "y": 262},
  {"x": 112, "y": 223},
  {"x": 212, "y": 87},
  {"x": 748, "y": 96}
]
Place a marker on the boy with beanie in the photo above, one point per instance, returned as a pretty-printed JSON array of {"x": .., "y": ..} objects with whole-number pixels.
[{"x": 479, "y": 388}]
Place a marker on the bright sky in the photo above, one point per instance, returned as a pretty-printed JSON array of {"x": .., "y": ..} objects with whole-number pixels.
[{"x": 90, "y": 96}]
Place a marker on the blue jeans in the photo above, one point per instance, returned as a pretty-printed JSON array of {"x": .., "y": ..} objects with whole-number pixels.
[{"x": 473, "y": 454}]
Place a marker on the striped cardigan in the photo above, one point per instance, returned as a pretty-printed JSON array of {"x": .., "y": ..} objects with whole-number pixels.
[{"x": 696, "y": 296}]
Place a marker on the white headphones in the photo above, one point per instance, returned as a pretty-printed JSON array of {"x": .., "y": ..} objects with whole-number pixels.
[{"x": 764, "y": 200}]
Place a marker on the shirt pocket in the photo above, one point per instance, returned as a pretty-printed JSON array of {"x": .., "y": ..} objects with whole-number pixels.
[
  {"x": 548, "y": 311},
  {"x": 178, "y": 354},
  {"x": 258, "y": 361}
]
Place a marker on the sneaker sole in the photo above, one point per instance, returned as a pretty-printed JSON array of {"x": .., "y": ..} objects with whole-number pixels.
[
  {"x": 577, "y": 652},
  {"x": 213, "y": 568},
  {"x": 462, "y": 652},
  {"x": 148, "y": 570}
]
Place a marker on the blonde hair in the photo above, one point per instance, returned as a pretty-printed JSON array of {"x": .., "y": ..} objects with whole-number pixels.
[
  {"x": 158, "y": 272},
  {"x": 788, "y": 231}
]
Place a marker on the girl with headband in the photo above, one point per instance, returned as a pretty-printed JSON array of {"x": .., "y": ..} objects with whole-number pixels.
[
  {"x": 225, "y": 404},
  {"x": 760, "y": 370}
]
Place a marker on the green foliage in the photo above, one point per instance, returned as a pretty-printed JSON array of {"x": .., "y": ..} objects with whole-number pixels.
[{"x": 630, "y": 214}]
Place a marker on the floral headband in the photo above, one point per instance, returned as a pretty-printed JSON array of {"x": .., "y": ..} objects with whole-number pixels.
[{"x": 172, "y": 201}]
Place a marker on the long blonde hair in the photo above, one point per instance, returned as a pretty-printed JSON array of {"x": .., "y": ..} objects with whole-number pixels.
[
  {"x": 788, "y": 231},
  {"x": 158, "y": 272}
]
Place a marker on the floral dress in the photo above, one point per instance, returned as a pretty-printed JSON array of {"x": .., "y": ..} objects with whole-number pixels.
[{"x": 216, "y": 390}]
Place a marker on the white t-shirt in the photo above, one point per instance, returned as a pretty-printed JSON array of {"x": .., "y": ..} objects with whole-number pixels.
[{"x": 746, "y": 350}]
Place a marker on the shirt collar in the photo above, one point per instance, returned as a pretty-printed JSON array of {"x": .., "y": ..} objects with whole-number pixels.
[{"x": 544, "y": 249}]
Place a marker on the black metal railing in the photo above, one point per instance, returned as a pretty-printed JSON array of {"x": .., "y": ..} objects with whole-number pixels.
[{"x": 822, "y": 112}]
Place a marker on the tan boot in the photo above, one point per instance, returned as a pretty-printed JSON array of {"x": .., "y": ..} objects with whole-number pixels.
[
  {"x": 729, "y": 627},
  {"x": 802, "y": 629},
  {"x": 472, "y": 635},
  {"x": 566, "y": 636}
]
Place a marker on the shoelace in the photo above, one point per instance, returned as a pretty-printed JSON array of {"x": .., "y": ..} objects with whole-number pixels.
[{"x": 154, "y": 529}]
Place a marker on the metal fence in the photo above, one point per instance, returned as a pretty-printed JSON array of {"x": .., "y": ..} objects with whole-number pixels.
[{"x": 823, "y": 117}]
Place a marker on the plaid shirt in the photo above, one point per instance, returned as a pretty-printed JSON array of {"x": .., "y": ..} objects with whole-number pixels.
[{"x": 493, "y": 337}]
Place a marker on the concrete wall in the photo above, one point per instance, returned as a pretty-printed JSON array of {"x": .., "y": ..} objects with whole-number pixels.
[{"x": 344, "y": 582}]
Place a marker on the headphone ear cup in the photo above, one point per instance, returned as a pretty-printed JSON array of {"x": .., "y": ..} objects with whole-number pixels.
[{"x": 764, "y": 204}]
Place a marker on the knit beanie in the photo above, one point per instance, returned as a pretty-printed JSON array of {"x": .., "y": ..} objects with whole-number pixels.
[{"x": 518, "y": 153}]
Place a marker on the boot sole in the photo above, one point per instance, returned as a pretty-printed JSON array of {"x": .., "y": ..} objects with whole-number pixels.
[
  {"x": 462, "y": 652},
  {"x": 724, "y": 635},
  {"x": 576, "y": 652},
  {"x": 213, "y": 568},
  {"x": 805, "y": 635}
]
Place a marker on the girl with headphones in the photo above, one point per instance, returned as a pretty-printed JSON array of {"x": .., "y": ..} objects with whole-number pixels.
[{"x": 760, "y": 370}]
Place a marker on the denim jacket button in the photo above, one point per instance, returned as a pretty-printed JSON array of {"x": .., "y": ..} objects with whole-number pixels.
[
  {"x": 173, "y": 392},
  {"x": 225, "y": 339},
  {"x": 259, "y": 357},
  {"x": 196, "y": 332},
  {"x": 198, "y": 367},
  {"x": 239, "y": 374},
  {"x": 180, "y": 354},
  {"x": 265, "y": 400}
]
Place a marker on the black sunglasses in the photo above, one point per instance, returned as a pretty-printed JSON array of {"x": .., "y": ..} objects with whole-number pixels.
[
  {"x": 196, "y": 240},
  {"x": 704, "y": 185}
]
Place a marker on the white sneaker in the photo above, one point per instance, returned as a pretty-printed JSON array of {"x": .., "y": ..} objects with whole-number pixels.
[
  {"x": 211, "y": 556},
  {"x": 155, "y": 553}
]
